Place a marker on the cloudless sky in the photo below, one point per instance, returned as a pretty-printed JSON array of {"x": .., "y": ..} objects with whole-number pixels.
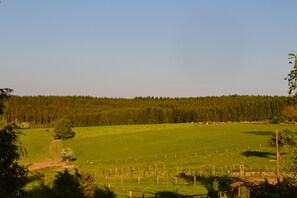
[{"x": 171, "y": 48}]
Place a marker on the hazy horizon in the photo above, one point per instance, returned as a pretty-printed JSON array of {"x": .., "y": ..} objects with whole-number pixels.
[{"x": 144, "y": 96}]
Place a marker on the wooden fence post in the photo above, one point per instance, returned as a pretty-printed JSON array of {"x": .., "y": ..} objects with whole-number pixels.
[
  {"x": 241, "y": 168},
  {"x": 213, "y": 171},
  {"x": 190, "y": 172},
  {"x": 130, "y": 194}
]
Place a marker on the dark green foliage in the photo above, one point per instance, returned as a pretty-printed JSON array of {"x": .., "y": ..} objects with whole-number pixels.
[
  {"x": 278, "y": 119},
  {"x": 285, "y": 138},
  {"x": 75, "y": 186},
  {"x": 4, "y": 94},
  {"x": 12, "y": 175},
  {"x": 63, "y": 129},
  {"x": 66, "y": 185},
  {"x": 91, "y": 111},
  {"x": 292, "y": 172},
  {"x": 104, "y": 192}
]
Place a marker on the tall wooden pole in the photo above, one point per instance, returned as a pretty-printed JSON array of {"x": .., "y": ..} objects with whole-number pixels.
[{"x": 277, "y": 155}]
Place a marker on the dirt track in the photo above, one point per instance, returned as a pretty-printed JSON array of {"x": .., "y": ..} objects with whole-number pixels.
[{"x": 38, "y": 166}]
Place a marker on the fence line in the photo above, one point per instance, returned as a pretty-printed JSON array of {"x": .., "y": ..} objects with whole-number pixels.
[{"x": 239, "y": 171}]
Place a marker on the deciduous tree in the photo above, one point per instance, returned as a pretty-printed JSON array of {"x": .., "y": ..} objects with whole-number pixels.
[
  {"x": 63, "y": 129},
  {"x": 13, "y": 176},
  {"x": 292, "y": 76}
]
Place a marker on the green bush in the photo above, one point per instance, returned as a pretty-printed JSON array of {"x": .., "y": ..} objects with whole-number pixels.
[
  {"x": 104, "y": 192},
  {"x": 278, "y": 119},
  {"x": 79, "y": 186},
  {"x": 67, "y": 154},
  {"x": 63, "y": 129}
]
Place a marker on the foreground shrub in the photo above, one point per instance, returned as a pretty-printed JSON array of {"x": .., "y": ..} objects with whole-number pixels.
[
  {"x": 104, "y": 192},
  {"x": 13, "y": 176},
  {"x": 77, "y": 185},
  {"x": 66, "y": 185}
]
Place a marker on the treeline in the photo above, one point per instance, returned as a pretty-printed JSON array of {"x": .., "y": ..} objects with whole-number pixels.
[{"x": 92, "y": 111}]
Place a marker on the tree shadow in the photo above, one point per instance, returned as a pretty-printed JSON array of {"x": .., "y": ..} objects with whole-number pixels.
[
  {"x": 167, "y": 194},
  {"x": 263, "y": 154},
  {"x": 207, "y": 181},
  {"x": 266, "y": 133}
]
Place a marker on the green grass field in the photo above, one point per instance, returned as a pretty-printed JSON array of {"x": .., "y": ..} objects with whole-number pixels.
[{"x": 119, "y": 155}]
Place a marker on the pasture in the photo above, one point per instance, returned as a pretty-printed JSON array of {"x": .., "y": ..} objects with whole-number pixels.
[{"x": 148, "y": 157}]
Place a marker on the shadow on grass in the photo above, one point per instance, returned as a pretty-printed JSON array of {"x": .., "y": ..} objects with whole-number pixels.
[
  {"x": 169, "y": 194},
  {"x": 262, "y": 154},
  {"x": 190, "y": 179},
  {"x": 224, "y": 185},
  {"x": 266, "y": 133}
]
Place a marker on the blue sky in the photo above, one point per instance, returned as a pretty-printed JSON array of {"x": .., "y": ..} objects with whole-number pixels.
[{"x": 128, "y": 48}]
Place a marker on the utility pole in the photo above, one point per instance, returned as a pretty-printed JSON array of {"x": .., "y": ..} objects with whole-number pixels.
[{"x": 277, "y": 155}]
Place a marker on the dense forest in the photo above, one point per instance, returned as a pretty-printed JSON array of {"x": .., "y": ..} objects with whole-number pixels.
[{"x": 92, "y": 111}]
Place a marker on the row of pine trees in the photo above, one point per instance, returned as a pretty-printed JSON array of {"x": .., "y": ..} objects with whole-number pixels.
[{"x": 93, "y": 111}]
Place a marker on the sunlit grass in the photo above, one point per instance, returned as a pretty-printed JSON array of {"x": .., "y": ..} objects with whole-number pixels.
[{"x": 167, "y": 148}]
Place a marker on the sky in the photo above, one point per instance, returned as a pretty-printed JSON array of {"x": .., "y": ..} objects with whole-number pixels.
[{"x": 132, "y": 48}]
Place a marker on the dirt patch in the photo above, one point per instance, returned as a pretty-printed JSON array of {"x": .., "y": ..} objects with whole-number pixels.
[{"x": 38, "y": 166}]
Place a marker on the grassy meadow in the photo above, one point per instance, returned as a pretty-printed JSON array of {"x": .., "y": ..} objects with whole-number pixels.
[{"x": 148, "y": 157}]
